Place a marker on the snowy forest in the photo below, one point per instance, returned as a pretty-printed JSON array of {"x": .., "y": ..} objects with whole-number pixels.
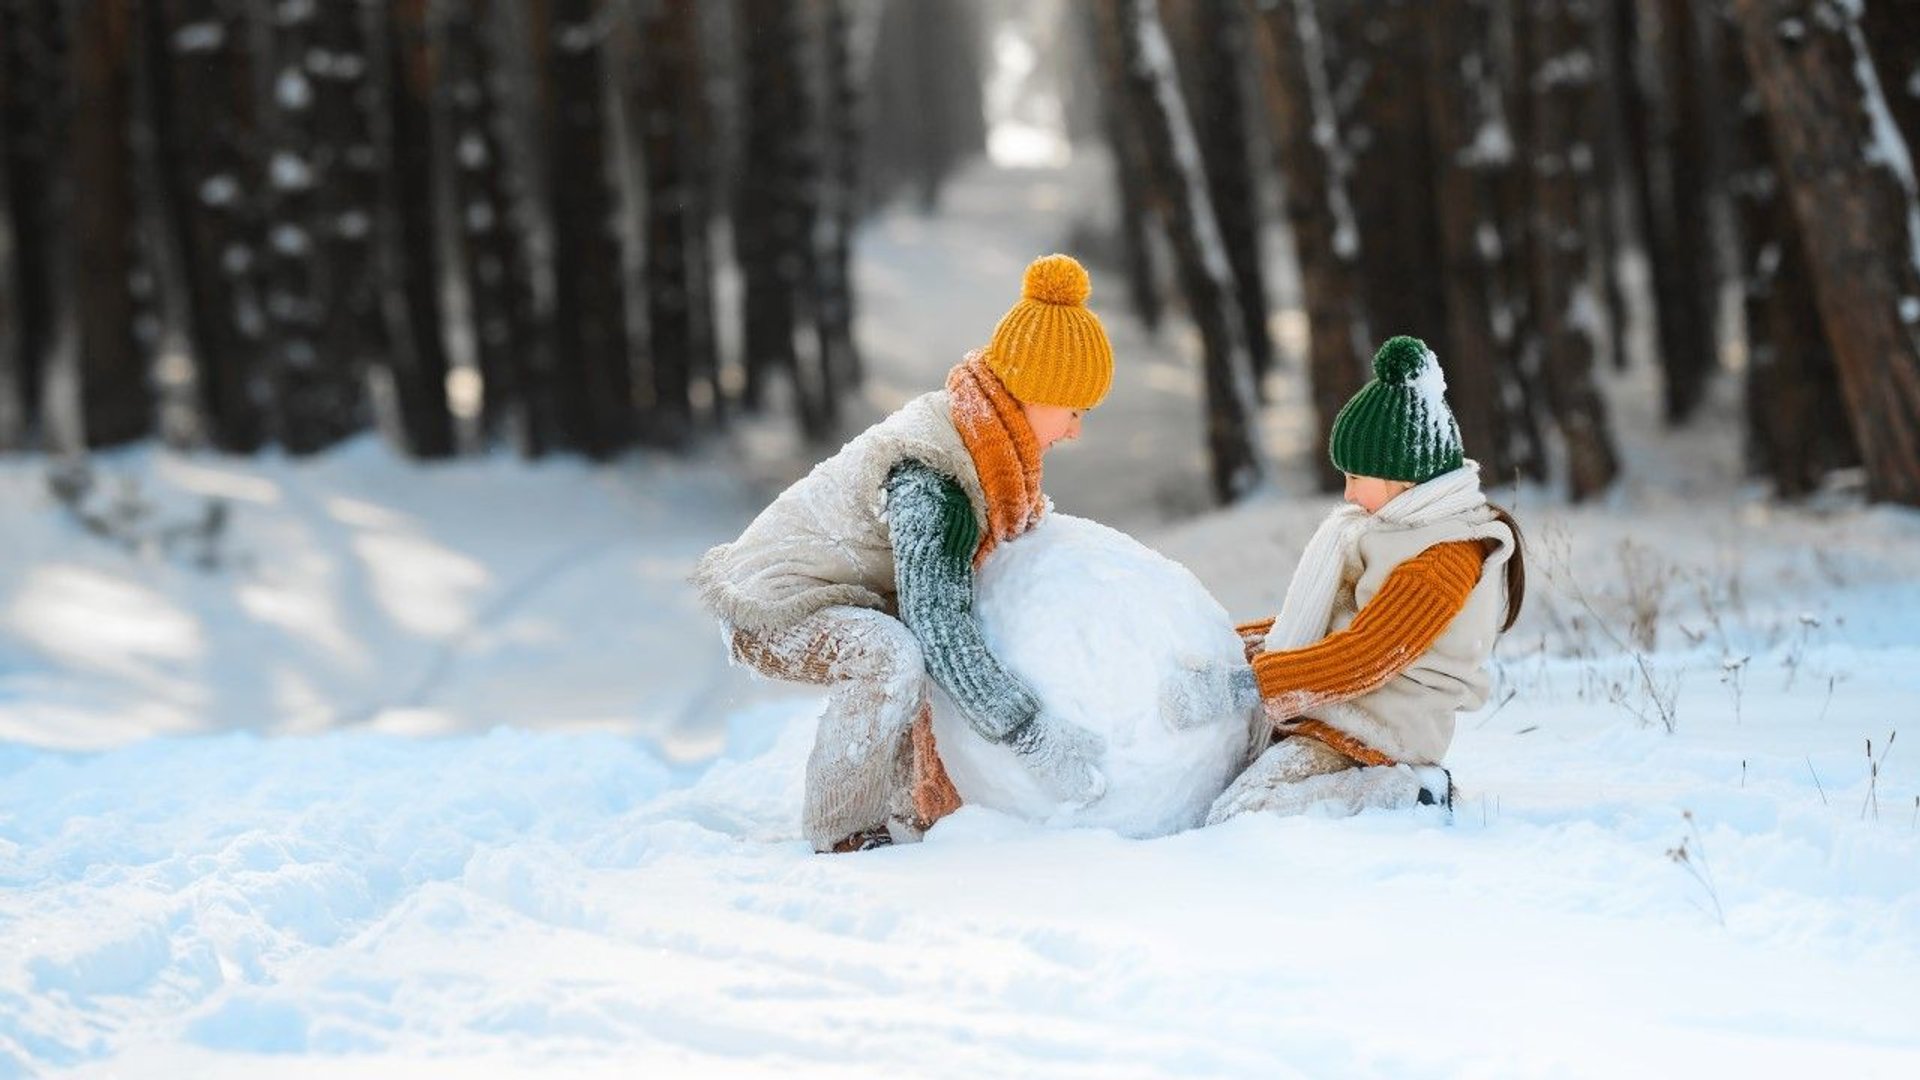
[
  {"x": 588, "y": 226},
  {"x": 377, "y": 377}
]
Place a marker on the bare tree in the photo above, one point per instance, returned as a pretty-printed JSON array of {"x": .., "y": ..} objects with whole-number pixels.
[
  {"x": 668, "y": 36},
  {"x": 1326, "y": 239},
  {"x": 1797, "y": 426},
  {"x": 490, "y": 261},
  {"x": 95, "y": 334},
  {"x": 1380, "y": 60},
  {"x": 1129, "y": 170},
  {"x": 1892, "y": 30},
  {"x": 317, "y": 397},
  {"x": 1474, "y": 157},
  {"x": 32, "y": 38},
  {"x": 928, "y": 107},
  {"x": 1179, "y": 190},
  {"x": 589, "y": 319},
  {"x": 410, "y": 263},
  {"x": 1683, "y": 264},
  {"x": 209, "y": 180},
  {"x": 773, "y": 209},
  {"x": 842, "y": 111},
  {"x": 1565, "y": 309},
  {"x": 13, "y": 410},
  {"x": 1851, "y": 180},
  {"x": 1216, "y": 49}
]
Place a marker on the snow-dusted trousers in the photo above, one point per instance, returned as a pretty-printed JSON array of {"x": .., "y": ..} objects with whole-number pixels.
[
  {"x": 1298, "y": 774},
  {"x": 873, "y": 763}
]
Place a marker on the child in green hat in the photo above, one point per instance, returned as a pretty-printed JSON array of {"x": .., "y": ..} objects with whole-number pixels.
[{"x": 1391, "y": 616}]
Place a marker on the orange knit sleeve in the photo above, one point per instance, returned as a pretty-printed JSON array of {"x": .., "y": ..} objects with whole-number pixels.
[
  {"x": 1253, "y": 635},
  {"x": 1409, "y": 613}
]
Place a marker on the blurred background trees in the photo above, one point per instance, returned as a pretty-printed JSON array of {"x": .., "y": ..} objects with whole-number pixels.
[{"x": 591, "y": 225}]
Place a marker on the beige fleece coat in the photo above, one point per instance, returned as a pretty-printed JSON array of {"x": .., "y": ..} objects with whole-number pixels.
[
  {"x": 824, "y": 542},
  {"x": 1411, "y": 718}
]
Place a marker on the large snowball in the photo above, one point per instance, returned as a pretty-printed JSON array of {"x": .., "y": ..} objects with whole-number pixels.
[{"x": 1097, "y": 623}]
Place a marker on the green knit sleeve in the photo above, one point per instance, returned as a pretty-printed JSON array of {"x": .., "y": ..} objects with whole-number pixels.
[{"x": 934, "y": 533}]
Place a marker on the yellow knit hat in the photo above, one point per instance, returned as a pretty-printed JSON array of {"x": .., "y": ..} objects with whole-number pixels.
[{"x": 1049, "y": 349}]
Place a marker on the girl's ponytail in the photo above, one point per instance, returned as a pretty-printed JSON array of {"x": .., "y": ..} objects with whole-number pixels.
[{"x": 1516, "y": 569}]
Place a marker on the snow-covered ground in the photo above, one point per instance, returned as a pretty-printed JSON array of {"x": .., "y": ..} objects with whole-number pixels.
[{"x": 437, "y": 771}]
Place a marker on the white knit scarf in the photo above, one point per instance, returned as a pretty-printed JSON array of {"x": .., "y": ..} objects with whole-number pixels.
[{"x": 1308, "y": 609}]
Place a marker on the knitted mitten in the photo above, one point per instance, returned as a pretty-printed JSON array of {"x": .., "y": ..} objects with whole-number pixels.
[{"x": 933, "y": 531}]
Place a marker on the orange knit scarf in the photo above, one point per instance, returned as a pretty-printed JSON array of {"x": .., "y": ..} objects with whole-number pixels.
[{"x": 1005, "y": 453}]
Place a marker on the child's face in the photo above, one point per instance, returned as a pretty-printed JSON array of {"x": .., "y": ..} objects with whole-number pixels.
[
  {"x": 1370, "y": 493},
  {"x": 1052, "y": 423}
]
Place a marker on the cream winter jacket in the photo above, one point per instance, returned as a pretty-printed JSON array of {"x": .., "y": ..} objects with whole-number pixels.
[
  {"x": 1411, "y": 718},
  {"x": 824, "y": 541}
]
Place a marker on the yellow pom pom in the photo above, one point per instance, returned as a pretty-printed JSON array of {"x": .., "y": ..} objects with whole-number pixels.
[{"x": 1057, "y": 279}]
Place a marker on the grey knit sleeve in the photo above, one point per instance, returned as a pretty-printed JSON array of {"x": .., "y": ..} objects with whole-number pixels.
[{"x": 934, "y": 533}]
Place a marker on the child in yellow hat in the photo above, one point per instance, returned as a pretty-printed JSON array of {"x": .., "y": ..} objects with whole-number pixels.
[{"x": 860, "y": 576}]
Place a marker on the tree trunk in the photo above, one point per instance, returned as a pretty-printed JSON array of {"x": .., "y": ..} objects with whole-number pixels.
[
  {"x": 1797, "y": 427},
  {"x": 1179, "y": 189},
  {"x": 1606, "y": 142},
  {"x": 1851, "y": 180},
  {"x": 209, "y": 184},
  {"x": 703, "y": 132},
  {"x": 1218, "y": 54},
  {"x": 33, "y": 37},
  {"x": 13, "y": 410},
  {"x": 1564, "y": 306},
  {"x": 317, "y": 398},
  {"x": 488, "y": 247},
  {"x": 1474, "y": 156},
  {"x": 1892, "y": 30},
  {"x": 116, "y": 396},
  {"x": 1682, "y": 255},
  {"x": 1326, "y": 240},
  {"x": 1387, "y": 136},
  {"x": 415, "y": 356},
  {"x": 770, "y": 226},
  {"x": 590, "y": 324},
  {"x": 839, "y": 197},
  {"x": 1129, "y": 169},
  {"x": 666, "y": 31},
  {"x": 346, "y": 170}
]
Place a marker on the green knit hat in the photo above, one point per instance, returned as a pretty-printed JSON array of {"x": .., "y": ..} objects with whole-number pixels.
[{"x": 1398, "y": 427}]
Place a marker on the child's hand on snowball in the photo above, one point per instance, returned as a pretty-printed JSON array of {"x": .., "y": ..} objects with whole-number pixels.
[
  {"x": 1202, "y": 691},
  {"x": 1062, "y": 756}
]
